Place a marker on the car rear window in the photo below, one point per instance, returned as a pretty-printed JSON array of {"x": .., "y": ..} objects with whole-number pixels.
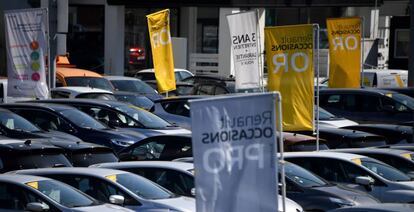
[
  {"x": 33, "y": 160},
  {"x": 87, "y": 158}
]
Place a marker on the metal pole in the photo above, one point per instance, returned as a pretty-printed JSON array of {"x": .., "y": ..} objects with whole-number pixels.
[
  {"x": 316, "y": 28},
  {"x": 362, "y": 51},
  {"x": 259, "y": 49},
  {"x": 411, "y": 55},
  {"x": 52, "y": 42},
  {"x": 282, "y": 159}
]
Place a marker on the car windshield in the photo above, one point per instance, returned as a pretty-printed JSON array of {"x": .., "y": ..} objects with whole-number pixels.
[
  {"x": 325, "y": 115},
  {"x": 139, "y": 101},
  {"x": 301, "y": 176},
  {"x": 93, "y": 82},
  {"x": 140, "y": 186},
  {"x": 403, "y": 99},
  {"x": 85, "y": 159},
  {"x": 384, "y": 170},
  {"x": 144, "y": 117},
  {"x": 15, "y": 122},
  {"x": 104, "y": 96},
  {"x": 137, "y": 86},
  {"x": 62, "y": 194},
  {"x": 82, "y": 119},
  {"x": 34, "y": 159}
]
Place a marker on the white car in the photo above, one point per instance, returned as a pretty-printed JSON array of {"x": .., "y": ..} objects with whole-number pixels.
[
  {"x": 378, "y": 179},
  {"x": 131, "y": 84},
  {"x": 81, "y": 92},
  {"x": 118, "y": 187},
  {"x": 327, "y": 119},
  {"x": 385, "y": 78},
  {"x": 177, "y": 177},
  {"x": 149, "y": 74}
]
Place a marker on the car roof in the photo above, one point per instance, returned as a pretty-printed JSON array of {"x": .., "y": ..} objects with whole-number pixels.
[
  {"x": 356, "y": 90},
  {"x": 121, "y": 78},
  {"x": 79, "y": 90},
  {"x": 76, "y": 72},
  {"x": 127, "y": 93},
  {"x": 182, "y": 166},
  {"x": 87, "y": 171},
  {"x": 76, "y": 146},
  {"x": 151, "y": 70},
  {"x": 25, "y": 145},
  {"x": 387, "y": 151},
  {"x": 20, "y": 178},
  {"x": 323, "y": 154},
  {"x": 181, "y": 98},
  {"x": 100, "y": 102},
  {"x": 347, "y": 132},
  {"x": 36, "y": 104}
]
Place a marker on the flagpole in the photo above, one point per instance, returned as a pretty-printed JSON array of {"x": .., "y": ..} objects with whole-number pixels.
[
  {"x": 362, "y": 51},
  {"x": 316, "y": 28},
  {"x": 259, "y": 49},
  {"x": 281, "y": 148}
]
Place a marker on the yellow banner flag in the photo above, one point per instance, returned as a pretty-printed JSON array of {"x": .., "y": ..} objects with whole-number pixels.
[
  {"x": 162, "y": 53},
  {"x": 344, "y": 35},
  {"x": 289, "y": 54}
]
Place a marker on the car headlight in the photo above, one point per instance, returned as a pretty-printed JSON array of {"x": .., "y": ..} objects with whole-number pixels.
[
  {"x": 341, "y": 202},
  {"x": 122, "y": 143}
]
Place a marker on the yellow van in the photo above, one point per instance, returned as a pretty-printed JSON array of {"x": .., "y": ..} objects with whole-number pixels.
[{"x": 82, "y": 78}]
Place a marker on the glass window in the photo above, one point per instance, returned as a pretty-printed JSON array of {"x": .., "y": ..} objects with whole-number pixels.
[
  {"x": 405, "y": 102},
  {"x": 401, "y": 47},
  {"x": 93, "y": 82},
  {"x": 59, "y": 94},
  {"x": 35, "y": 159},
  {"x": 384, "y": 170},
  {"x": 178, "y": 108},
  {"x": 103, "y": 96},
  {"x": 81, "y": 119},
  {"x": 144, "y": 76},
  {"x": 184, "y": 75},
  {"x": 163, "y": 150},
  {"x": 220, "y": 90},
  {"x": 302, "y": 177},
  {"x": 85, "y": 159},
  {"x": 15, "y": 122},
  {"x": 144, "y": 117},
  {"x": 394, "y": 161},
  {"x": 369, "y": 103},
  {"x": 325, "y": 115},
  {"x": 205, "y": 90},
  {"x": 137, "y": 86},
  {"x": 42, "y": 119},
  {"x": 139, "y": 101}
]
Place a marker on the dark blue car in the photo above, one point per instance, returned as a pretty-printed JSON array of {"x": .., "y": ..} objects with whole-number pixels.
[{"x": 54, "y": 117}]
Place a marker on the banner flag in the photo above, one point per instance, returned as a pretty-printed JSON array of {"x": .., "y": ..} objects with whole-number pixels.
[
  {"x": 162, "y": 53},
  {"x": 234, "y": 150},
  {"x": 245, "y": 49},
  {"x": 26, "y": 45},
  {"x": 289, "y": 54},
  {"x": 344, "y": 35}
]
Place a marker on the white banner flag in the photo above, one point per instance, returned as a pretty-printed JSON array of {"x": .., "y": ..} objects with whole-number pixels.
[
  {"x": 234, "y": 149},
  {"x": 245, "y": 49},
  {"x": 26, "y": 45}
]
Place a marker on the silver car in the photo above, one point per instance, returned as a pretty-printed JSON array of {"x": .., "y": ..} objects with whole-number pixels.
[
  {"x": 382, "y": 181},
  {"x": 118, "y": 187},
  {"x": 33, "y": 193}
]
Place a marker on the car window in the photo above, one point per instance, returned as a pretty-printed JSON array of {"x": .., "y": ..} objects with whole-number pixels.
[
  {"x": 13, "y": 121},
  {"x": 13, "y": 197},
  {"x": 386, "y": 101},
  {"x": 177, "y": 76},
  {"x": 143, "y": 117},
  {"x": 301, "y": 176},
  {"x": 205, "y": 90},
  {"x": 87, "y": 158},
  {"x": 184, "y": 75},
  {"x": 133, "y": 86},
  {"x": 59, "y": 94},
  {"x": 35, "y": 159},
  {"x": 81, "y": 119},
  {"x": 369, "y": 103},
  {"x": 42, "y": 119},
  {"x": 109, "y": 117},
  {"x": 94, "y": 187},
  {"x": 175, "y": 181},
  {"x": 394, "y": 161},
  {"x": 161, "y": 150},
  {"x": 139, "y": 101},
  {"x": 94, "y": 82},
  {"x": 104, "y": 96},
  {"x": 145, "y": 76},
  {"x": 178, "y": 108},
  {"x": 384, "y": 170},
  {"x": 333, "y": 101},
  {"x": 220, "y": 90}
]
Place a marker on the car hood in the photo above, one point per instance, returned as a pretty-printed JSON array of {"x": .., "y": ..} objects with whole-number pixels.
[
  {"x": 101, "y": 208},
  {"x": 124, "y": 133},
  {"x": 406, "y": 184},
  {"x": 352, "y": 195},
  {"x": 185, "y": 204},
  {"x": 58, "y": 136},
  {"x": 154, "y": 132},
  {"x": 337, "y": 123},
  {"x": 291, "y": 206}
]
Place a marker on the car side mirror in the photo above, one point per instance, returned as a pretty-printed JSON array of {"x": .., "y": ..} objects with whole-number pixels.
[
  {"x": 193, "y": 192},
  {"x": 116, "y": 199},
  {"x": 37, "y": 207},
  {"x": 388, "y": 108},
  {"x": 367, "y": 182}
]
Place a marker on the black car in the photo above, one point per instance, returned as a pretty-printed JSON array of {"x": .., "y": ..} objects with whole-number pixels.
[
  {"x": 15, "y": 126},
  {"x": 162, "y": 147},
  {"x": 120, "y": 115},
  {"x": 409, "y": 91},
  {"x": 20, "y": 154},
  {"x": 83, "y": 154},
  {"x": 395, "y": 134},
  {"x": 368, "y": 105},
  {"x": 70, "y": 120},
  {"x": 336, "y": 138},
  {"x": 211, "y": 85},
  {"x": 133, "y": 98}
]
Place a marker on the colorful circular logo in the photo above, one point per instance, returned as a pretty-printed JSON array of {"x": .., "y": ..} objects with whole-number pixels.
[
  {"x": 35, "y": 76},
  {"x": 34, "y": 55},
  {"x": 35, "y": 66},
  {"x": 34, "y": 45}
]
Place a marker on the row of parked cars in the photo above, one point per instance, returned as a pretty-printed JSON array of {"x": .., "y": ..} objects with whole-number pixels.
[{"x": 63, "y": 154}]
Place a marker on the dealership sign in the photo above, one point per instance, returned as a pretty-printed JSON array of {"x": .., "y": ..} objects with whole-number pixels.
[
  {"x": 234, "y": 147},
  {"x": 26, "y": 45}
]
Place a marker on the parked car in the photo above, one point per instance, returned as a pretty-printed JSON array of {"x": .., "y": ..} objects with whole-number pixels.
[
  {"x": 83, "y": 154},
  {"x": 383, "y": 78},
  {"x": 136, "y": 99},
  {"x": 316, "y": 194},
  {"x": 327, "y": 119},
  {"x": 130, "y": 190},
  {"x": 149, "y": 74},
  {"x": 181, "y": 88},
  {"x": 120, "y": 115},
  {"x": 131, "y": 84},
  {"x": 294, "y": 142},
  {"x": 384, "y": 207},
  {"x": 177, "y": 177},
  {"x": 72, "y": 121},
  {"x": 33, "y": 193},
  {"x": 395, "y": 134},
  {"x": 81, "y": 92},
  {"x": 402, "y": 160},
  {"x": 80, "y": 77},
  {"x": 14, "y": 126},
  {"x": 337, "y": 138},
  {"x": 20, "y": 154},
  {"x": 378, "y": 179},
  {"x": 409, "y": 91},
  {"x": 211, "y": 85},
  {"x": 161, "y": 147},
  {"x": 368, "y": 105}
]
